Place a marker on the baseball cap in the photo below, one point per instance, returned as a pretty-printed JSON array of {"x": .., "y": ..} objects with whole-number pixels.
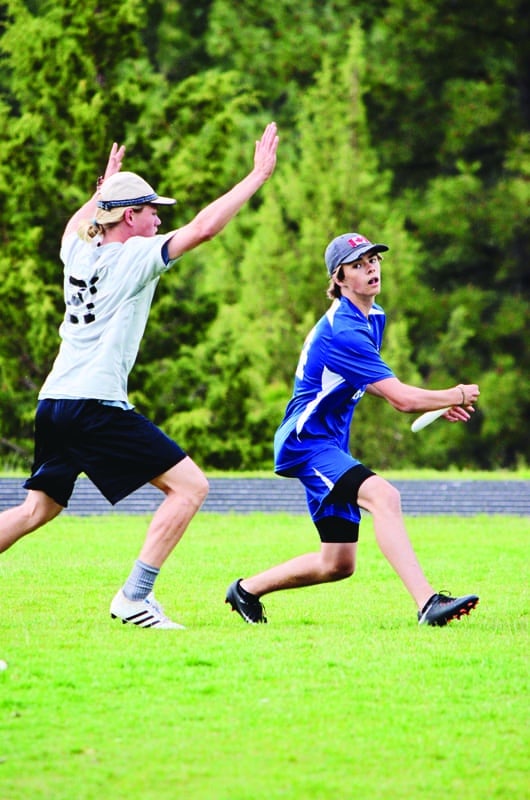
[
  {"x": 349, "y": 247},
  {"x": 128, "y": 189}
]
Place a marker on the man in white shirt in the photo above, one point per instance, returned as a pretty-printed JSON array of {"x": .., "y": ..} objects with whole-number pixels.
[{"x": 113, "y": 258}]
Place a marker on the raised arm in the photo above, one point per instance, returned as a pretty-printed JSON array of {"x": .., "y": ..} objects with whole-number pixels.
[
  {"x": 88, "y": 210},
  {"x": 212, "y": 219}
]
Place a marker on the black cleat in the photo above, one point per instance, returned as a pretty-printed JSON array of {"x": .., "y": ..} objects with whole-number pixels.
[
  {"x": 247, "y": 606},
  {"x": 442, "y": 608}
]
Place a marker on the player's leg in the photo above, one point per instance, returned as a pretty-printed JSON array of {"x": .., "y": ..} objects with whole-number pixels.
[
  {"x": 36, "y": 510},
  {"x": 333, "y": 562},
  {"x": 383, "y": 501},
  {"x": 120, "y": 451},
  {"x": 50, "y": 484},
  {"x": 186, "y": 489},
  {"x": 337, "y": 521},
  {"x": 336, "y": 518}
]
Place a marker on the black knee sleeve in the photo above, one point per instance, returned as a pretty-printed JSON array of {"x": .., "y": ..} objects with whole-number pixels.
[{"x": 347, "y": 487}]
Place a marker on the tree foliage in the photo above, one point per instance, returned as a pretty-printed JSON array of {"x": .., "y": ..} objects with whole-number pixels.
[{"x": 407, "y": 121}]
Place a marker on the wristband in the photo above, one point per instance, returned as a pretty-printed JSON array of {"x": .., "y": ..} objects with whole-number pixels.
[{"x": 463, "y": 394}]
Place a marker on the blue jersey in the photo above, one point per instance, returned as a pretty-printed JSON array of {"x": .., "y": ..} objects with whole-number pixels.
[{"x": 340, "y": 357}]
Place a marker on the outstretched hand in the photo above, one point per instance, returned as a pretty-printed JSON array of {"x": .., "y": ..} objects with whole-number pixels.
[
  {"x": 115, "y": 159},
  {"x": 265, "y": 151}
]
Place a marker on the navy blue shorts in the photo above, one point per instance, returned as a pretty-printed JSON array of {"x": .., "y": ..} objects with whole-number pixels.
[{"x": 118, "y": 450}]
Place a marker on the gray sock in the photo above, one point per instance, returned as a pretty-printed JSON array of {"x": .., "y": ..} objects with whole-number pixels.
[{"x": 140, "y": 582}]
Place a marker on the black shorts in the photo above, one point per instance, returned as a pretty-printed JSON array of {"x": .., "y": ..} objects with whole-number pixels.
[{"x": 118, "y": 450}]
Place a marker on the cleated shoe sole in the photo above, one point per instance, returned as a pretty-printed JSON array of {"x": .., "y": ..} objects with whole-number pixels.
[{"x": 442, "y": 608}]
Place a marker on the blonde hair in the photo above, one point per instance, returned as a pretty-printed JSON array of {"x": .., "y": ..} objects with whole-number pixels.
[{"x": 103, "y": 220}]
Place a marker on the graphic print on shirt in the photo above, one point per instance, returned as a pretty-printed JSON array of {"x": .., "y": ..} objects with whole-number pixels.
[{"x": 80, "y": 305}]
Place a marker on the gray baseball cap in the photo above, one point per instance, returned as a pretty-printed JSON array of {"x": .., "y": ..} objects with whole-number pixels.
[{"x": 349, "y": 247}]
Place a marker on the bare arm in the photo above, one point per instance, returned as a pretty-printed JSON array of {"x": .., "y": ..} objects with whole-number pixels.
[
  {"x": 88, "y": 210},
  {"x": 212, "y": 219},
  {"x": 413, "y": 399}
]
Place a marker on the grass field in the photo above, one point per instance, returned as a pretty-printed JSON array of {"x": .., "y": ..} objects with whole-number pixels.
[{"x": 340, "y": 696}]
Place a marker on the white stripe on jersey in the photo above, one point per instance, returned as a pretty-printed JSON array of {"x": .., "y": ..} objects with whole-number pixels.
[{"x": 330, "y": 381}]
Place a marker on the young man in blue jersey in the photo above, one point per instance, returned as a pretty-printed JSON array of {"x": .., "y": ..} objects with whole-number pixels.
[
  {"x": 339, "y": 362},
  {"x": 113, "y": 258}
]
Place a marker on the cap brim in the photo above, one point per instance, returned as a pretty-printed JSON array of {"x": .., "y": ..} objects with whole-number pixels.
[
  {"x": 163, "y": 201},
  {"x": 362, "y": 250}
]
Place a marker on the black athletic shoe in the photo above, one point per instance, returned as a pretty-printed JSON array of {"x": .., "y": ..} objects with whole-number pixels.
[
  {"x": 442, "y": 608},
  {"x": 247, "y": 605}
]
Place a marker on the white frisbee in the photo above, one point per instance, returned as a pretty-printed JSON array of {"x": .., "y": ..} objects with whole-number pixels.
[{"x": 425, "y": 419}]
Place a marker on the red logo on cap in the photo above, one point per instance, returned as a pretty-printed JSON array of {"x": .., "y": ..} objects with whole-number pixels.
[{"x": 356, "y": 240}]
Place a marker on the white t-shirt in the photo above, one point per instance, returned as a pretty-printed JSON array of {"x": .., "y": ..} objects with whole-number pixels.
[{"x": 108, "y": 291}]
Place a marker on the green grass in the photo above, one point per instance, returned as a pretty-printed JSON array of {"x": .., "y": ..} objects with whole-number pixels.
[{"x": 340, "y": 696}]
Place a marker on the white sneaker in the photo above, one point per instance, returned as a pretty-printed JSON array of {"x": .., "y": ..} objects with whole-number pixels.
[{"x": 146, "y": 613}]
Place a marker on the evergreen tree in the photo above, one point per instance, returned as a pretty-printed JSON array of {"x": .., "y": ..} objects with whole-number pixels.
[{"x": 406, "y": 121}]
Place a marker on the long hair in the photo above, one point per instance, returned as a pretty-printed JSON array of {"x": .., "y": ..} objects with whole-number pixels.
[{"x": 334, "y": 290}]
